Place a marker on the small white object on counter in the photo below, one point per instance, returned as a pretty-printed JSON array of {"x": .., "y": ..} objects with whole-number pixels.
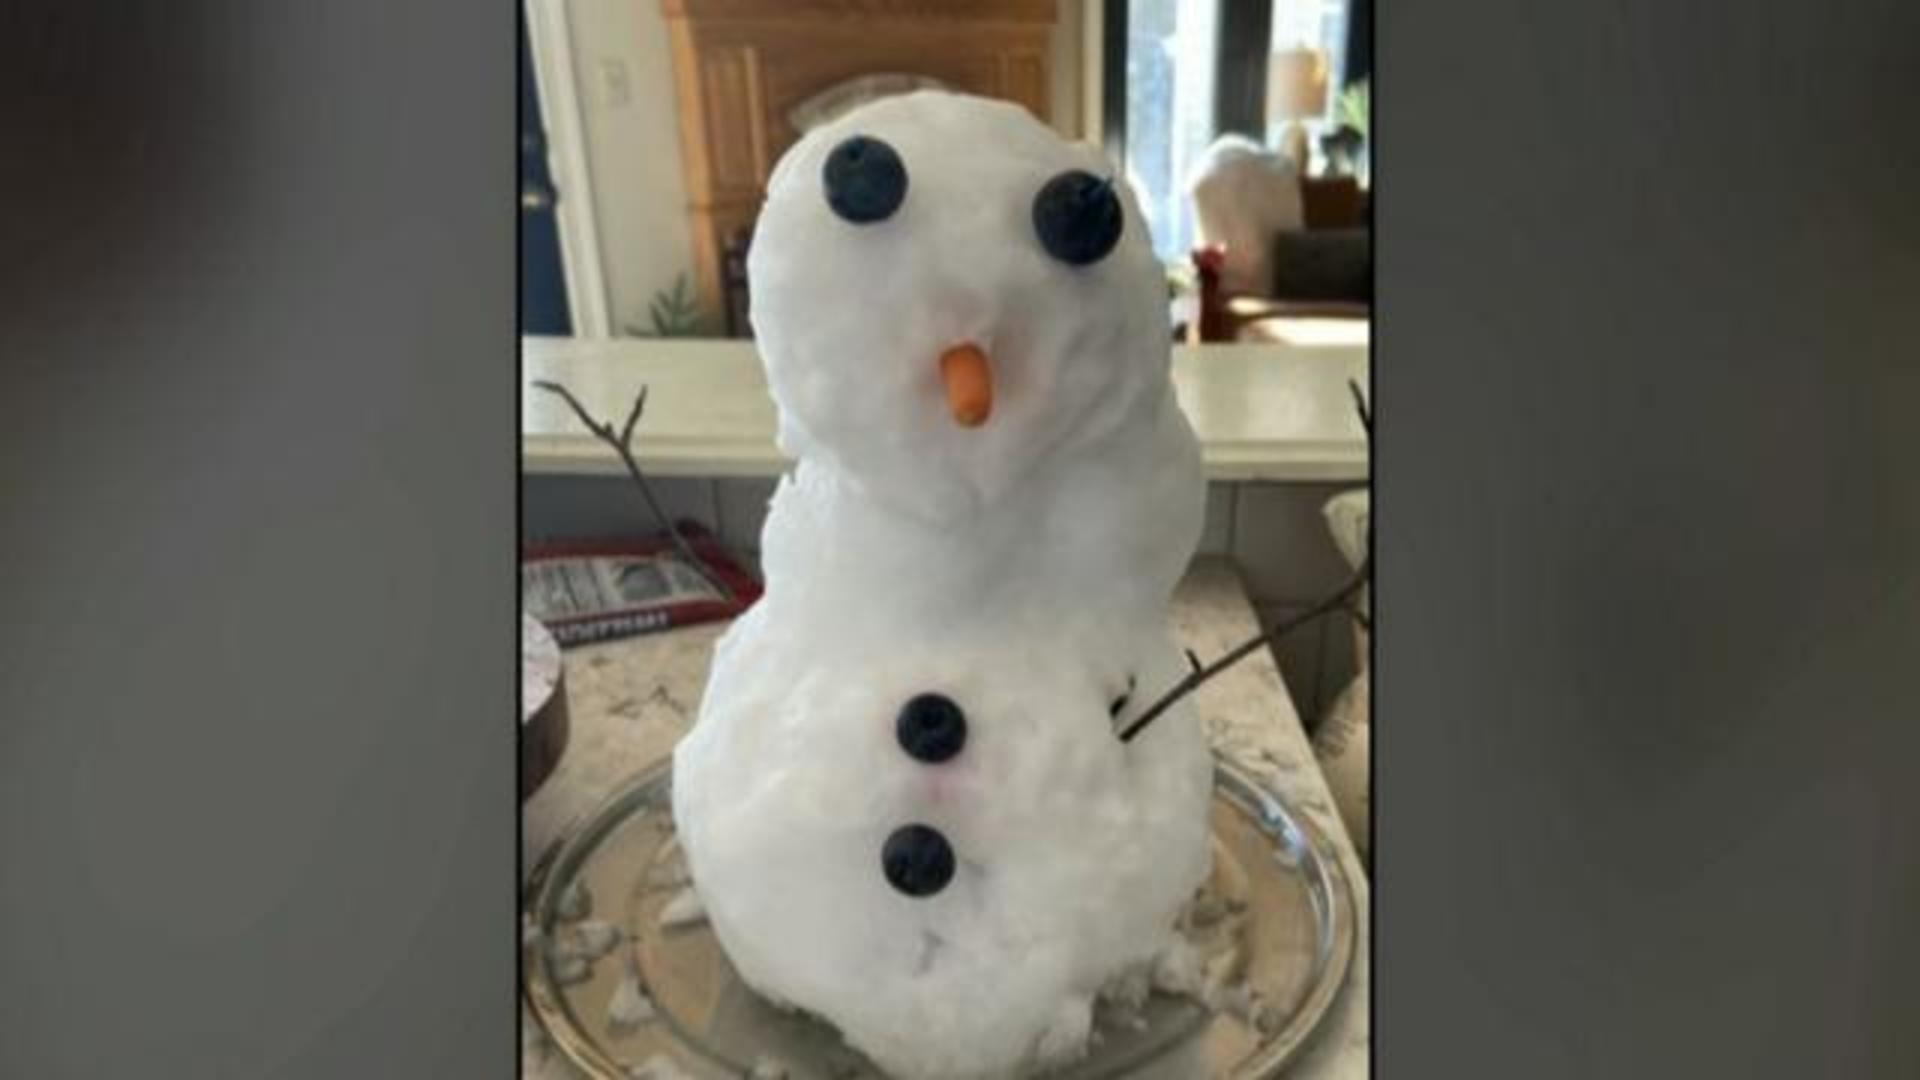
[
  {"x": 539, "y": 666},
  {"x": 1344, "y": 738}
]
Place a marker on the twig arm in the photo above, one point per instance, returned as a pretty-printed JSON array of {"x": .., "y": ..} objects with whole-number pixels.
[
  {"x": 621, "y": 443},
  {"x": 1193, "y": 680},
  {"x": 633, "y": 417},
  {"x": 1341, "y": 600}
]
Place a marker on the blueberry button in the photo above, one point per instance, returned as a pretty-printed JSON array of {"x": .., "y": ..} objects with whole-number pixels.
[
  {"x": 917, "y": 860},
  {"x": 931, "y": 728}
]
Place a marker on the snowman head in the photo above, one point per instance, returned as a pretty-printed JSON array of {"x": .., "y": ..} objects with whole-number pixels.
[{"x": 947, "y": 296}]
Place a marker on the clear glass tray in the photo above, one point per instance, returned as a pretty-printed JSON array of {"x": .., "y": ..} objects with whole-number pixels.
[{"x": 1278, "y": 916}]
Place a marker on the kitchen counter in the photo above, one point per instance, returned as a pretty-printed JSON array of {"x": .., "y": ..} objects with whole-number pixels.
[
  {"x": 1279, "y": 412},
  {"x": 631, "y": 700}
]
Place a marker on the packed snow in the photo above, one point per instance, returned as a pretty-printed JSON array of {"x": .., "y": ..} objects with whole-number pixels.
[{"x": 994, "y": 497}]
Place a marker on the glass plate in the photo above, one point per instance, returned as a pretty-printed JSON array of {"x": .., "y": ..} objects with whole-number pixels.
[{"x": 1278, "y": 924}]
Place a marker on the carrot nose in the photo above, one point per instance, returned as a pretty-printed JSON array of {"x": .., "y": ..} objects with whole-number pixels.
[{"x": 969, "y": 384}]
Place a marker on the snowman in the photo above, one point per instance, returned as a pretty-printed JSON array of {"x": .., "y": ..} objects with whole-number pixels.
[{"x": 904, "y": 803}]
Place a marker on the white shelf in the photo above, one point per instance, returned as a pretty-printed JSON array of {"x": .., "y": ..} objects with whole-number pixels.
[{"x": 1275, "y": 412}]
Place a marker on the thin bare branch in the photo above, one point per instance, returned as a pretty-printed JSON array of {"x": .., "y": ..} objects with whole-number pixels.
[
  {"x": 621, "y": 445},
  {"x": 1193, "y": 680},
  {"x": 579, "y": 410},
  {"x": 633, "y": 417}
]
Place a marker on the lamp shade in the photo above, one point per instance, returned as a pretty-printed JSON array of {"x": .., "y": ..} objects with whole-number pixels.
[{"x": 1296, "y": 83}]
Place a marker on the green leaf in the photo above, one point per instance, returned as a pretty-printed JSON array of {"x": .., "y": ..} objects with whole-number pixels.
[
  {"x": 674, "y": 312},
  {"x": 1355, "y": 106}
]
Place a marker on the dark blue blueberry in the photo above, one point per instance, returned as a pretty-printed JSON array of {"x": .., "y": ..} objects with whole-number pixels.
[
  {"x": 917, "y": 860},
  {"x": 931, "y": 728},
  {"x": 1078, "y": 217},
  {"x": 865, "y": 180}
]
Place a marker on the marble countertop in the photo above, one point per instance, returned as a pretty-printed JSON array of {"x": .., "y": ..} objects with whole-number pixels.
[
  {"x": 1273, "y": 411},
  {"x": 629, "y": 701}
]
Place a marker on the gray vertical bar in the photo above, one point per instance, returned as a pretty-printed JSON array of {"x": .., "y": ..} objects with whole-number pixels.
[
  {"x": 1648, "y": 588},
  {"x": 257, "y": 690}
]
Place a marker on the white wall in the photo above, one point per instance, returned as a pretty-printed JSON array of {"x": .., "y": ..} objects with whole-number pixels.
[
  {"x": 1093, "y": 20},
  {"x": 625, "y": 72},
  {"x": 633, "y": 150}
]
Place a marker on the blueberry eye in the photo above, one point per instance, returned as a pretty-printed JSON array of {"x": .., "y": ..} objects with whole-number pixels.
[
  {"x": 1078, "y": 218},
  {"x": 865, "y": 180}
]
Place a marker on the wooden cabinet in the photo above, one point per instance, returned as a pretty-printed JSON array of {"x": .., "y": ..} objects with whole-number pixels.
[{"x": 741, "y": 66}]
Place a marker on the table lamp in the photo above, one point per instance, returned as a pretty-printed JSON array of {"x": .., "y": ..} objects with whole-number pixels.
[{"x": 1296, "y": 93}]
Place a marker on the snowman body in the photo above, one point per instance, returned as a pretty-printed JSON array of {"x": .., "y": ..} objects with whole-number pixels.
[{"x": 1012, "y": 568}]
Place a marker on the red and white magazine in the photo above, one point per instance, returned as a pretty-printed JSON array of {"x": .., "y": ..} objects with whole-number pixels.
[{"x": 597, "y": 590}]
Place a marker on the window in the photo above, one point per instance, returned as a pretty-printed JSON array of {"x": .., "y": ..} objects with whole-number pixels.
[
  {"x": 1171, "y": 59},
  {"x": 1184, "y": 64}
]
